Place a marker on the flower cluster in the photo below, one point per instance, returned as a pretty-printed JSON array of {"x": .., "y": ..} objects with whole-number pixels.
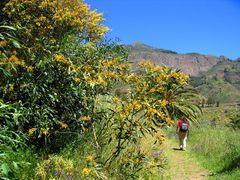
[{"x": 49, "y": 18}]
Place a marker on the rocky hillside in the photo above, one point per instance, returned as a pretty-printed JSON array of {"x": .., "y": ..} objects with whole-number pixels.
[
  {"x": 221, "y": 83},
  {"x": 192, "y": 63}
]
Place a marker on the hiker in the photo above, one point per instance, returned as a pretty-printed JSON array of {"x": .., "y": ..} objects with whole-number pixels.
[{"x": 182, "y": 132}]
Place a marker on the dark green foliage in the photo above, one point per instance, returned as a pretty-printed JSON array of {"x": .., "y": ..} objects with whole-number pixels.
[{"x": 14, "y": 155}]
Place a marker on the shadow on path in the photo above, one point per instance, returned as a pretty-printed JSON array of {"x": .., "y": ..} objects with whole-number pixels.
[{"x": 177, "y": 149}]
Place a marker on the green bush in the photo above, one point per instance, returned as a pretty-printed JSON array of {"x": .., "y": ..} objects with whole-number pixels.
[{"x": 15, "y": 157}]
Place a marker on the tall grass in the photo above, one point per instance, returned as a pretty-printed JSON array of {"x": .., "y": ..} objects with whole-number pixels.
[{"x": 217, "y": 148}]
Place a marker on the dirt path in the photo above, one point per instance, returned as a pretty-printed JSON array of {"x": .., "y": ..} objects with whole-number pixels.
[{"x": 181, "y": 165}]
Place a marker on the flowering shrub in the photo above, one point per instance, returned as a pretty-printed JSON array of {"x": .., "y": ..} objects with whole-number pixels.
[
  {"x": 54, "y": 68},
  {"x": 46, "y": 21},
  {"x": 151, "y": 103},
  {"x": 56, "y": 71}
]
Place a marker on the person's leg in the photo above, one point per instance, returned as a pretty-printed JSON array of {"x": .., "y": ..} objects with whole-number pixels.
[
  {"x": 180, "y": 143},
  {"x": 181, "y": 140},
  {"x": 185, "y": 142}
]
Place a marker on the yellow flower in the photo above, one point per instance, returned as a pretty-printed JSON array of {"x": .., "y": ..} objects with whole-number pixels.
[
  {"x": 85, "y": 129},
  {"x": 157, "y": 68},
  {"x": 29, "y": 68},
  {"x": 169, "y": 121},
  {"x": 85, "y": 118},
  {"x": 161, "y": 114},
  {"x": 50, "y": 27},
  {"x": 151, "y": 111},
  {"x": 89, "y": 158},
  {"x": 116, "y": 99},
  {"x": 38, "y": 24},
  {"x": 3, "y": 43},
  {"x": 149, "y": 64},
  {"x": 86, "y": 171},
  {"x": 13, "y": 58},
  {"x": 77, "y": 80},
  {"x": 44, "y": 131},
  {"x": 122, "y": 116},
  {"x": 141, "y": 63},
  {"x": 125, "y": 65},
  {"x": 28, "y": 1},
  {"x": 152, "y": 90},
  {"x": 163, "y": 103},
  {"x": 31, "y": 131},
  {"x": 88, "y": 69},
  {"x": 59, "y": 57},
  {"x": 63, "y": 125},
  {"x": 107, "y": 64},
  {"x": 160, "y": 138},
  {"x": 101, "y": 81},
  {"x": 131, "y": 77},
  {"x": 136, "y": 105},
  {"x": 42, "y": 18}
]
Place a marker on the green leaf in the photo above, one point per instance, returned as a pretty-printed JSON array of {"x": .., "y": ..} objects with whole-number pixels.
[
  {"x": 3, "y": 106},
  {"x": 1, "y": 36},
  {"x": 16, "y": 44},
  {"x": 15, "y": 165},
  {"x": 7, "y": 74},
  {"x": 5, "y": 168},
  {"x": 9, "y": 27}
]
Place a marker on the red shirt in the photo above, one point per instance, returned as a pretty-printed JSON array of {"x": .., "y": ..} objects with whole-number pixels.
[{"x": 180, "y": 121}]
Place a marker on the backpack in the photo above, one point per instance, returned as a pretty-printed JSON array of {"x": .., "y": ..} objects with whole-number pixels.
[{"x": 184, "y": 127}]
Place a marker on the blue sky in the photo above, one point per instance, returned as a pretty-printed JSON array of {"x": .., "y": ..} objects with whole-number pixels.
[{"x": 205, "y": 26}]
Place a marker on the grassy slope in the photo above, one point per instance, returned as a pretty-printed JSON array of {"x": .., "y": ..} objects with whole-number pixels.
[{"x": 216, "y": 145}]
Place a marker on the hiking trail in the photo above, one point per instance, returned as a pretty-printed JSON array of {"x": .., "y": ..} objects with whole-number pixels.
[{"x": 181, "y": 165}]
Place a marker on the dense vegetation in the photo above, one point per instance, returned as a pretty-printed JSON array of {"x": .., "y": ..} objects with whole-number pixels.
[{"x": 60, "y": 117}]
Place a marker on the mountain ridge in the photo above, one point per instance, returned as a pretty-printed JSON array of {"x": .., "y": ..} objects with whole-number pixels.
[
  {"x": 190, "y": 63},
  {"x": 215, "y": 78}
]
